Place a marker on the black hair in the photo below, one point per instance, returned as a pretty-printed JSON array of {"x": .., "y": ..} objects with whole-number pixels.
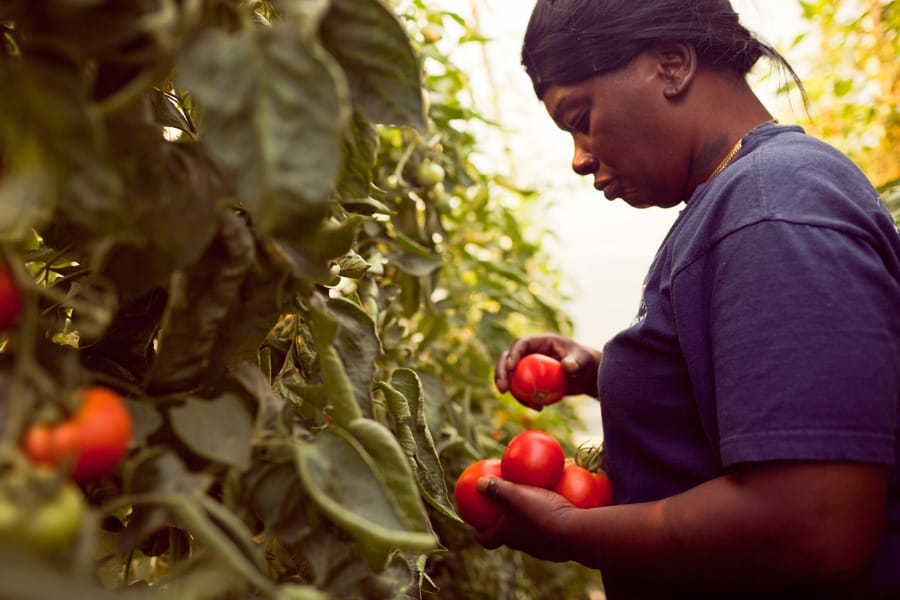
[{"x": 570, "y": 40}]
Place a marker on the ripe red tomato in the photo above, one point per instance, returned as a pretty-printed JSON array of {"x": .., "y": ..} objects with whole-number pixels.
[
  {"x": 606, "y": 495},
  {"x": 583, "y": 488},
  {"x": 475, "y": 508},
  {"x": 538, "y": 380},
  {"x": 535, "y": 458},
  {"x": 10, "y": 298},
  {"x": 91, "y": 443}
]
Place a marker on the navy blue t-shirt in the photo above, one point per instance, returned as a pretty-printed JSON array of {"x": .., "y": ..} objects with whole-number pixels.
[{"x": 769, "y": 329}]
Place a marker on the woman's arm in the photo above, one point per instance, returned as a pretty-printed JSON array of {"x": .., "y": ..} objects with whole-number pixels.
[{"x": 767, "y": 524}]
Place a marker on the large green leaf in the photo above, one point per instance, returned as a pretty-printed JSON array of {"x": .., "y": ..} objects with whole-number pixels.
[
  {"x": 200, "y": 299},
  {"x": 220, "y": 429},
  {"x": 396, "y": 475},
  {"x": 406, "y": 404},
  {"x": 348, "y": 485},
  {"x": 358, "y": 346},
  {"x": 338, "y": 389},
  {"x": 360, "y": 149},
  {"x": 51, "y": 111},
  {"x": 382, "y": 69},
  {"x": 275, "y": 108}
]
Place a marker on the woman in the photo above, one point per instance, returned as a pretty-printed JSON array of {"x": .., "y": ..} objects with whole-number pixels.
[{"x": 750, "y": 412}]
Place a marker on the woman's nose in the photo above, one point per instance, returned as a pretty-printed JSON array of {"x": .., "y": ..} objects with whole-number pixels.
[{"x": 584, "y": 162}]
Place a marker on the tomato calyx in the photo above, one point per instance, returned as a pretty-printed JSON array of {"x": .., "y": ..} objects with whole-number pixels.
[{"x": 583, "y": 482}]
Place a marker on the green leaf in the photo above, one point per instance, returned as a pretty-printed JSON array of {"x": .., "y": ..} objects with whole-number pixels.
[
  {"x": 353, "y": 265},
  {"x": 220, "y": 429},
  {"x": 338, "y": 388},
  {"x": 210, "y": 534},
  {"x": 360, "y": 150},
  {"x": 51, "y": 112},
  {"x": 413, "y": 258},
  {"x": 358, "y": 346},
  {"x": 394, "y": 471},
  {"x": 344, "y": 482},
  {"x": 275, "y": 107},
  {"x": 25, "y": 203},
  {"x": 174, "y": 192},
  {"x": 200, "y": 299},
  {"x": 406, "y": 404},
  {"x": 270, "y": 406},
  {"x": 307, "y": 255},
  {"x": 374, "y": 50}
]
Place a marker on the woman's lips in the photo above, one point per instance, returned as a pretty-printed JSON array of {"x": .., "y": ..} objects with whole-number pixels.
[{"x": 610, "y": 188}]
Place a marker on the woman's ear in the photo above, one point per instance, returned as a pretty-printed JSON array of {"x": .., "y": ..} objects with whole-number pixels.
[{"x": 676, "y": 64}]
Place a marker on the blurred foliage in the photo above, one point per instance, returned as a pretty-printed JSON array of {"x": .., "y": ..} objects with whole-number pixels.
[
  {"x": 220, "y": 209},
  {"x": 854, "y": 83}
]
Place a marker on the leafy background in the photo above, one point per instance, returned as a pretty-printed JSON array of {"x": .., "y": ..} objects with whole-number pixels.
[{"x": 216, "y": 207}]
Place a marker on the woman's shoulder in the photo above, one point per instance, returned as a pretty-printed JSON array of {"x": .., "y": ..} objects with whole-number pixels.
[{"x": 781, "y": 175}]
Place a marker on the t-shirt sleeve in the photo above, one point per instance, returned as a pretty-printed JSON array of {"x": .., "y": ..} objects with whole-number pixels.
[{"x": 804, "y": 327}]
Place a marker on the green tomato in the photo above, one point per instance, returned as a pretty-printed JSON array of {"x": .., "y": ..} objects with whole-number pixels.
[
  {"x": 48, "y": 527},
  {"x": 429, "y": 173}
]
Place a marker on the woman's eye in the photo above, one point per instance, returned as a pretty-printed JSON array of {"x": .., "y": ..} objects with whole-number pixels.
[{"x": 582, "y": 123}]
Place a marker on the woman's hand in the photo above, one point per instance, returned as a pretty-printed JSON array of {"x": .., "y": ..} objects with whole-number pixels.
[
  {"x": 530, "y": 522},
  {"x": 579, "y": 363}
]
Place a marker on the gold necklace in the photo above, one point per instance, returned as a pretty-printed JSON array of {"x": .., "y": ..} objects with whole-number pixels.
[
  {"x": 734, "y": 150},
  {"x": 732, "y": 153}
]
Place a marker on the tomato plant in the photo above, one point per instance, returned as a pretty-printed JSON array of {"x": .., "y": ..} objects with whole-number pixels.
[
  {"x": 474, "y": 507},
  {"x": 533, "y": 457},
  {"x": 10, "y": 298},
  {"x": 91, "y": 443},
  {"x": 538, "y": 380}
]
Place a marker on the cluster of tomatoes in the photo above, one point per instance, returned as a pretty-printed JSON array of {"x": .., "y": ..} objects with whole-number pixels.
[
  {"x": 42, "y": 508},
  {"x": 535, "y": 458},
  {"x": 90, "y": 443}
]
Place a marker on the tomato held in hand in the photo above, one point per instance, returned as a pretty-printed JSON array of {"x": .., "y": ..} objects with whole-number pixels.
[
  {"x": 538, "y": 380},
  {"x": 535, "y": 458},
  {"x": 10, "y": 298},
  {"x": 583, "y": 488},
  {"x": 91, "y": 443},
  {"x": 475, "y": 508}
]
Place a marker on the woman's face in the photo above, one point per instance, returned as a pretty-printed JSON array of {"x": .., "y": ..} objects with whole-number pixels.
[{"x": 626, "y": 133}]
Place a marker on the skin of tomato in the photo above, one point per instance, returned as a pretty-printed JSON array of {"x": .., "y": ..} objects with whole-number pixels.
[
  {"x": 580, "y": 487},
  {"x": 475, "y": 508},
  {"x": 10, "y": 299},
  {"x": 533, "y": 457},
  {"x": 37, "y": 445},
  {"x": 105, "y": 430},
  {"x": 603, "y": 484},
  {"x": 538, "y": 380},
  {"x": 91, "y": 443}
]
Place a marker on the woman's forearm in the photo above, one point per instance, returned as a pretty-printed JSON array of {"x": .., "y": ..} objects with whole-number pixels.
[{"x": 779, "y": 523}]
